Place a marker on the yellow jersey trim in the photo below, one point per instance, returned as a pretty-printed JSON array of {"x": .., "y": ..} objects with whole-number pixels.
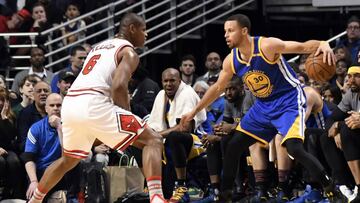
[
  {"x": 232, "y": 61},
  {"x": 263, "y": 142},
  {"x": 252, "y": 53},
  {"x": 263, "y": 56},
  {"x": 294, "y": 131}
]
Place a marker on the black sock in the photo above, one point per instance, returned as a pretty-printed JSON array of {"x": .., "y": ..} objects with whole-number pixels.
[
  {"x": 227, "y": 183},
  {"x": 283, "y": 177},
  {"x": 215, "y": 186}
]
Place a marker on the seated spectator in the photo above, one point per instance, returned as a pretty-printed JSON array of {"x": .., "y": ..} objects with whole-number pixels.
[
  {"x": 77, "y": 58},
  {"x": 170, "y": 104},
  {"x": 216, "y": 108},
  {"x": 72, "y": 11},
  {"x": 13, "y": 23},
  {"x": 345, "y": 128},
  {"x": 187, "y": 69},
  {"x": 13, "y": 96},
  {"x": 32, "y": 113},
  {"x": 303, "y": 78},
  {"x": 66, "y": 79},
  {"x": 342, "y": 52},
  {"x": 341, "y": 70},
  {"x": 331, "y": 95},
  {"x": 213, "y": 66},
  {"x": 10, "y": 24},
  {"x": 39, "y": 22},
  {"x": 11, "y": 170},
  {"x": 87, "y": 47},
  {"x": 352, "y": 40},
  {"x": 200, "y": 87},
  {"x": 37, "y": 61},
  {"x": 26, "y": 92},
  {"x": 143, "y": 89},
  {"x": 43, "y": 146},
  {"x": 316, "y": 84}
]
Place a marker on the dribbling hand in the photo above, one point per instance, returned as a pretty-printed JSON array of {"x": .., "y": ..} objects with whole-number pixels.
[{"x": 328, "y": 56}]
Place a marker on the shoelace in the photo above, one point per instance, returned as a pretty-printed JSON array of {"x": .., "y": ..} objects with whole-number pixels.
[
  {"x": 179, "y": 193},
  {"x": 329, "y": 194}
]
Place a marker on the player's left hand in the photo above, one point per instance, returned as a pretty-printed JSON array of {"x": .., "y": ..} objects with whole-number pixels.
[
  {"x": 328, "y": 54},
  {"x": 353, "y": 121}
]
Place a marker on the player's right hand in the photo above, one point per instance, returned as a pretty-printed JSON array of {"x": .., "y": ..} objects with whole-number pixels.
[{"x": 328, "y": 54}]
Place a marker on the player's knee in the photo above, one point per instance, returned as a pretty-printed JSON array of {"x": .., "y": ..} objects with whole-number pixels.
[
  {"x": 156, "y": 140},
  {"x": 294, "y": 147}
]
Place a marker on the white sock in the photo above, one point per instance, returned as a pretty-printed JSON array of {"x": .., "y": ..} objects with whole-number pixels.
[{"x": 154, "y": 186}]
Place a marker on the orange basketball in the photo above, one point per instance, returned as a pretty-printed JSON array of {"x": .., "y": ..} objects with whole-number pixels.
[{"x": 317, "y": 70}]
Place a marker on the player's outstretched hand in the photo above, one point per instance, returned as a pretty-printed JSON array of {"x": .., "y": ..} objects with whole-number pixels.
[
  {"x": 186, "y": 119},
  {"x": 328, "y": 54}
]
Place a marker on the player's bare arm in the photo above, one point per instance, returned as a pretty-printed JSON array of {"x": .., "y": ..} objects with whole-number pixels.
[
  {"x": 310, "y": 102},
  {"x": 272, "y": 47},
  {"x": 129, "y": 61},
  {"x": 213, "y": 92}
]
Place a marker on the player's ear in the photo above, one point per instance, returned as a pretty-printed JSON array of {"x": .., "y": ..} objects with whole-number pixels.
[
  {"x": 244, "y": 31},
  {"x": 132, "y": 28}
]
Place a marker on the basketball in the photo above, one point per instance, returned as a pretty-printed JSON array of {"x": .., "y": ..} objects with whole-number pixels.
[{"x": 317, "y": 70}]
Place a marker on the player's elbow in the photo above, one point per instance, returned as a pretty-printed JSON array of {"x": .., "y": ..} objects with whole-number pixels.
[{"x": 118, "y": 88}]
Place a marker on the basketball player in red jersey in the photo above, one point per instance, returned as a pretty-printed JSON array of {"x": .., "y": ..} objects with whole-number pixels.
[{"x": 97, "y": 107}]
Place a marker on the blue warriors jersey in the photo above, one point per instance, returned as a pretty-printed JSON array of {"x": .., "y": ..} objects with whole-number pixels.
[
  {"x": 280, "y": 104},
  {"x": 266, "y": 80},
  {"x": 317, "y": 119}
]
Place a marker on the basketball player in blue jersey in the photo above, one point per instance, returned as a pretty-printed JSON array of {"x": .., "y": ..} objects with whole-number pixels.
[{"x": 280, "y": 105}]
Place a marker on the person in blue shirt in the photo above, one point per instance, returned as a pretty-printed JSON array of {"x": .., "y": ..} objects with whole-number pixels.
[
  {"x": 280, "y": 101},
  {"x": 43, "y": 144},
  {"x": 352, "y": 41},
  {"x": 77, "y": 59}
]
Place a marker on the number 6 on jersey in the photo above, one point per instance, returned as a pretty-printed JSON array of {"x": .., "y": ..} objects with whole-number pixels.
[{"x": 90, "y": 65}]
